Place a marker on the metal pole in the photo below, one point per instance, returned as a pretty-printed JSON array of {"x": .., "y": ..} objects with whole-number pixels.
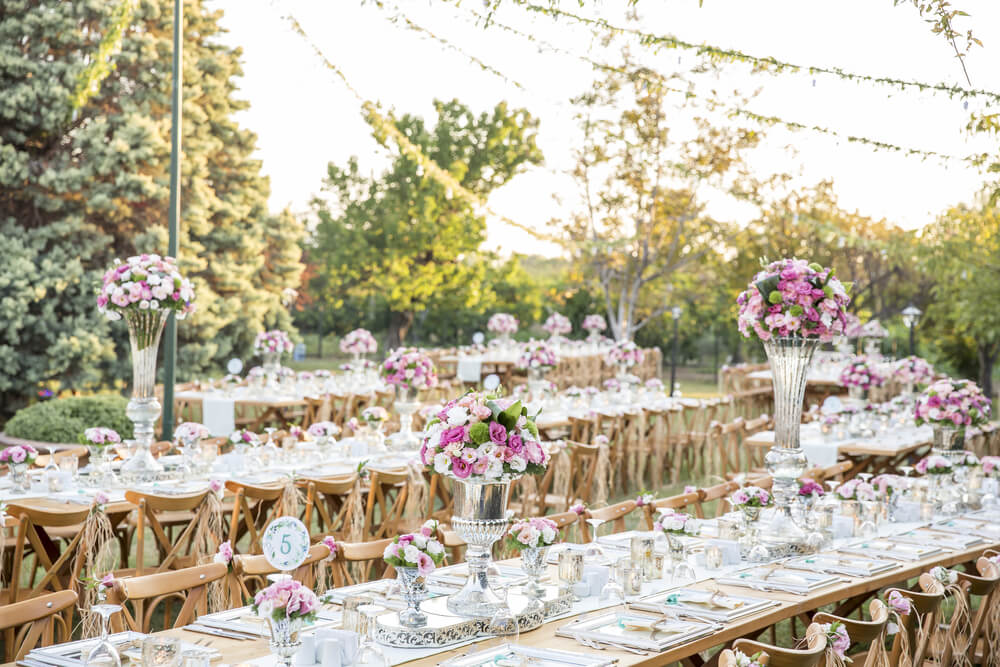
[
  {"x": 173, "y": 217},
  {"x": 673, "y": 360},
  {"x": 912, "y": 345}
]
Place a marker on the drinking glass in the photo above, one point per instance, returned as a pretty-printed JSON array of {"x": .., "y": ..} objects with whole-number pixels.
[
  {"x": 594, "y": 550},
  {"x": 104, "y": 654},
  {"x": 571, "y": 570},
  {"x": 370, "y": 653},
  {"x": 503, "y": 623},
  {"x": 613, "y": 589},
  {"x": 160, "y": 651},
  {"x": 71, "y": 464}
]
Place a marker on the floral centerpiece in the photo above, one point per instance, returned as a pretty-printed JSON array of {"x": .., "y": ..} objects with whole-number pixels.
[
  {"x": 358, "y": 342},
  {"x": 374, "y": 416},
  {"x": 968, "y": 460},
  {"x": 888, "y": 486},
  {"x": 910, "y": 371},
  {"x": 809, "y": 491},
  {"x": 674, "y": 523},
  {"x": 409, "y": 370},
  {"x": 751, "y": 497},
  {"x": 654, "y": 384},
  {"x": 287, "y": 606},
  {"x": 415, "y": 555},
  {"x": 557, "y": 324},
  {"x": 190, "y": 433},
  {"x": 594, "y": 325},
  {"x": 504, "y": 324},
  {"x": 860, "y": 375},
  {"x": 855, "y": 489},
  {"x": 537, "y": 356},
  {"x": 991, "y": 465},
  {"x": 934, "y": 465},
  {"x": 99, "y": 437},
  {"x": 323, "y": 432},
  {"x": 243, "y": 438},
  {"x": 950, "y": 406},
  {"x": 531, "y": 538},
  {"x": 18, "y": 459},
  {"x": 144, "y": 290},
  {"x": 274, "y": 342},
  {"x": 624, "y": 354}
]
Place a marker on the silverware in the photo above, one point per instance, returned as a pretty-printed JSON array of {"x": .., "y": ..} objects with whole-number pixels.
[
  {"x": 205, "y": 630},
  {"x": 602, "y": 645}
]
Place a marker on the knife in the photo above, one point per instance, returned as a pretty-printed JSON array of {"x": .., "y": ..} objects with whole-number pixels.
[
  {"x": 205, "y": 630},
  {"x": 228, "y": 627}
]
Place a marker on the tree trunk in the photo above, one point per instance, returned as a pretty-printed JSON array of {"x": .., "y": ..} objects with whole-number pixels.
[
  {"x": 399, "y": 326},
  {"x": 987, "y": 357}
]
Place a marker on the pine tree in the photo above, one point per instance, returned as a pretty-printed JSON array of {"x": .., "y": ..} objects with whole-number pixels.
[{"x": 99, "y": 171}]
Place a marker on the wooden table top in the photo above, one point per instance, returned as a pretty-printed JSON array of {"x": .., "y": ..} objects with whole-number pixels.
[
  {"x": 235, "y": 651},
  {"x": 855, "y": 448}
]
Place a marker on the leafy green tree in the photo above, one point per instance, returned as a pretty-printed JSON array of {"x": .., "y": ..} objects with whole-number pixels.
[
  {"x": 95, "y": 169},
  {"x": 402, "y": 235}
]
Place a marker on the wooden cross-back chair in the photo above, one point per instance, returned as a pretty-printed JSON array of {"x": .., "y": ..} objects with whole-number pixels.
[
  {"x": 326, "y": 502},
  {"x": 657, "y": 444},
  {"x": 162, "y": 515},
  {"x": 984, "y": 585},
  {"x": 810, "y": 656},
  {"x": 254, "y": 506},
  {"x": 612, "y": 426},
  {"x": 823, "y": 473},
  {"x": 439, "y": 491},
  {"x": 367, "y": 556},
  {"x": 140, "y": 597},
  {"x": 679, "y": 502},
  {"x": 29, "y": 624},
  {"x": 612, "y": 513},
  {"x": 724, "y": 442},
  {"x": 755, "y": 455},
  {"x": 583, "y": 472},
  {"x": 926, "y": 604},
  {"x": 581, "y": 429},
  {"x": 531, "y": 501},
  {"x": 861, "y": 631},
  {"x": 318, "y": 409},
  {"x": 718, "y": 494},
  {"x": 387, "y": 491},
  {"x": 250, "y": 574}
]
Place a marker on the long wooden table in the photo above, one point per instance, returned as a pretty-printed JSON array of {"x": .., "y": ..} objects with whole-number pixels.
[{"x": 849, "y": 595}]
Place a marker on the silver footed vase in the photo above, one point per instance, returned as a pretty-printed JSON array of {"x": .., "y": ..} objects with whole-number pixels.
[
  {"x": 949, "y": 442},
  {"x": 144, "y": 330},
  {"x": 284, "y": 643},
  {"x": 789, "y": 359},
  {"x": 480, "y": 518},
  {"x": 406, "y": 405},
  {"x": 414, "y": 587}
]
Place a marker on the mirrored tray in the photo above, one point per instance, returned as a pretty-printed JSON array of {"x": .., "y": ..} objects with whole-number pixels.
[
  {"x": 850, "y": 566},
  {"x": 780, "y": 580},
  {"x": 703, "y": 604},
  {"x": 455, "y": 575},
  {"x": 385, "y": 592},
  {"x": 648, "y": 632},
  {"x": 949, "y": 541},
  {"x": 74, "y": 654},
  {"x": 514, "y": 655},
  {"x": 892, "y": 550},
  {"x": 966, "y": 526}
]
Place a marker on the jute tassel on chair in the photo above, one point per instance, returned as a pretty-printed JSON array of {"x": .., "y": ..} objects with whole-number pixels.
[
  {"x": 561, "y": 473},
  {"x": 993, "y": 634},
  {"x": 324, "y": 578},
  {"x": 602, "y": 476},
  {"x": 878, "y": 654},
  {"x": 100, "y": 552},
  {"x": 291, "y": 500},
  {"x": 208, "y": 527},
  {"x": 529, "y": 496},
  {"x": 961, "y": 626},
  {"x": 3, "y": 541},
  {"x": 354, "y": 523}
]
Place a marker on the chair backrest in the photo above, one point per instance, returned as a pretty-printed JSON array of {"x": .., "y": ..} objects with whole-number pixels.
[
  {"x": 145, "y": 594},
  {"x": 564, "y": 519},
  {"x": 614, "y": 513},
  {"x": 35, "y": 622},
  {"x": 583, "y": 469},
  {"x": 254, "y": 506},
  {"x": 862, "y": 632},
  {"x": 42, "y": 460},
  {"x": 809, "y": 656},
  {"x": 251, "y": 572},
  {"x": 366, "y": 557},
  {"x": 318, "y": 409},
  {"x": 57, "y": 564},
  {"x": 926, "y": 605},
  {"x": 966, "y": 633},
  {"x": 387, "y": 492},
  {"x": 718, "y": 494},
  {"x": 177, "y": 551},
  {"x": 326, "y": 499},
  {"x": 679, "y": 502}
]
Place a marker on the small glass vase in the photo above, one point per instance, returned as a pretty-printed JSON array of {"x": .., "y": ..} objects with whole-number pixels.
[
  {"x": 534, "y": 563},
  {"x": 536, "y": 383},
  {"x": 272, "y": 368},
  {"x": 19, "y": 479},
  {"x": 756, "y": 552},
  {"x": 284, "y": 639},
  {"x": 104, "y": 653},
  {"x": 414, "y": 591},
  {"x": 144, "y": 330},
  {"x": 100, "y": 463},
  {"x": 949, "y": 442},
  {"x": 857, "y": 394},
  {"x": 406, "y": 405}
]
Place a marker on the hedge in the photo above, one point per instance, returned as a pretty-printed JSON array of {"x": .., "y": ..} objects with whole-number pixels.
[{"x": 64, "y": 419}]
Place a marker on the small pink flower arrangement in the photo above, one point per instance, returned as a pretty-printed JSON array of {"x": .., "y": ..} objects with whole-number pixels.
[
  {"x": 861, "y": 373},
  {"x": 624, "y": 353},
  {"x": 482, "y": 435},
  {"x": 269, "y": 342},
  {"x": 374, "y": 415},
  {"x": 533, "y": 533},
  {"x": 19, "y": 455},
  {"x": 810, "y": 487},
  {"x": 601, "y": 439},
  {"x": 578, "y": 509},
  {"x": 744, "y": 660},
  {"x": 557, "y": 324},
  {"x": 256, "y": 372},
  {"x": 99, "y": 436},
  {"x": 225, "y": 555},
  {"x": 594, "y": 323},
  {"x": 751, "y": 496},
  {"x": 837, "y": 638},
  {"x": 420, "y": 550},
  {"x": 286, "y": 600},
  {"x": 645, "y": 499},
  {"x": 145, "y": 283},
  {"x": 502, "y": 323},
  {"x": 654, "y": 384},
  {"x": 410, "y": 369},
  {"x": 991, "y": 464},
  {"x": 968, "y": 459},
  {"x": 856, "y": 489},
  {"x": 323, "y": 430},
  {"x": 913, "y": 370},
  {"x": 793, "y": 298},
  {"x": 886, "y": 485},
  {"x": 217, "y": 486},
  {"x": 674, "y": 523},
  {"x": 952, "y": 403},
  {"x": 537, "y": 355},
  {"x": 611, "y": 384},
  {"x": 243, "y": 437},
  {"x": 330, "y": 543},
  {"x": 359, "y": 341},
  {"x": 191, "y": 432},
  {"x": 933, "y": 465},
  {"x": 899, "y": 603}
]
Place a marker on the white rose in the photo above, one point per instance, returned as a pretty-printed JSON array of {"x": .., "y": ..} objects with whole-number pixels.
[
  {"x": 434, "y": 547},
  {"x": 442, "y": 463},
  {"x": 411, "y": 553},
  {"x": 548, "y": 535},
  {"x": 419, "y": 541},
  {"x": 265, "y": 609},
  {"x": 388, "y": 551},
  {"x": 495, "y": 470},
  {"x": 457, "y": 416},
  {"x": 486, "y": 449},
  {"x": 518, "y": 464},
  {"x": 154, "y": 305},
  {"x": 144, "y": 305}
]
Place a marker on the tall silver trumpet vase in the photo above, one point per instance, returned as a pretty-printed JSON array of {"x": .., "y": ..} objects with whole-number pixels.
[
  {"x": 949, "y": 442},
  {"x": 406, "y": 405},
  {"x": 480, "y": 518},
  {"x": 144, "y": 330},
  {"x": 789, "y": 358}
]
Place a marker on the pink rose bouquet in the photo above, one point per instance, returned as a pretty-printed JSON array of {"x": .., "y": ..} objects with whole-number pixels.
[
  {"x": 420, "y": 550},
  {"x": 145, "y": 282},
  {"x": 244, "y": 437},
  {"x": 225, "y": 555},
  {"x": 675, "y": 523},
  {"x": 331, "y": 544},
  {"x": 933, "y": 465},
  {"x": 483, "y": 436},
  {"x": 899, "y": 603},
  {"x": 644, "y": 499},
  {"x": 793, "y": 298},
  {"x": 359, "y": 341},
  {"x": 537, "y": 355},
  {"x": 594, "y": 323},
  {"x": 99, "y": 436},
  {"x": 913, "y": 370},
  {"x": 269, "y": 342},
  {"x": 374, "y": 415},
  {"x": 502, "y": 323},
  {"x": 320, "y": 430},
  {"x": 557, "y": 325},
  {"x": 410, "y": 369},
  {"x": 810, "y": 487},
  {"x": 991, "y": 464},
  {"x": 751, "y": 496},
  {"x": 624, "y": 353},
  {"x": 578, "y": 509},
  {"x": 190, "y": 432},
  {"x": 286, "y": 600},
  {"x": 860, "y": 372},
  {"x": 533, "y": 533},
  {"x": 953, "y": 403},
  {"x": 856, "y": 489},
  {"x": 837, "y": 639},
  {"x": 19, "y": 454},
  {"x": 887, "y": 485}
]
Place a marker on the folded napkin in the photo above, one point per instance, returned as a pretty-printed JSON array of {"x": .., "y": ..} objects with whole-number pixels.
[{"x": 219, "y": 415}]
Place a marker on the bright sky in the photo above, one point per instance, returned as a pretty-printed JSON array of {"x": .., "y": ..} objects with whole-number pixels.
[{"x": 305, "y": 117}]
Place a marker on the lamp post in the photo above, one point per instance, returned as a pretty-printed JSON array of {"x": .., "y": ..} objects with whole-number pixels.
[
  {"x": 911, "y": 316},
  {"x": 675, "y": 312}
]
